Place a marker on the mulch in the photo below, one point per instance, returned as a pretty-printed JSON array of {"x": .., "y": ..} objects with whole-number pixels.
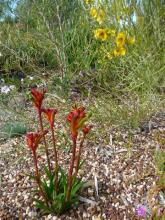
[{"x": 119, "y": 175}]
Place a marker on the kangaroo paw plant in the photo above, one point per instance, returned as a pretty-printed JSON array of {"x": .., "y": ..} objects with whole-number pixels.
[{"x": 57, "y": 189}]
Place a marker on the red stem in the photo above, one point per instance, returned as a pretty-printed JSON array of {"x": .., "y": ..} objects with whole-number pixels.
[
  {"x": 56, "y": 159},
  {"x": 79, "y": 154},
  {"x": 38, "y": 176},
  {"x": 70, "y": 174},
  {"x": 46, "y": 148}
]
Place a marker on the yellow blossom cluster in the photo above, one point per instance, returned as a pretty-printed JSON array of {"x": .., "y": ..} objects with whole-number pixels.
[
  {"x": 120, "y": 43},
  {"x": 97, "y": 14},
  {"x": 117, "y": 41}
]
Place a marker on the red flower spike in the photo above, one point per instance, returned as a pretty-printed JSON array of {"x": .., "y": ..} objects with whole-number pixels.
[
  {"x": 50, "y": 114},
  {"x": 76, "y": 118},
  {"x": 86, "y": 129},
  {"x": 34, "y": 138},
  {"x": 38, "y": 97}
]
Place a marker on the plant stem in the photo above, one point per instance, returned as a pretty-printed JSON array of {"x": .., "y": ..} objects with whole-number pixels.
[
  {"x": 38, "y": 176},
  {"x": 70, "y": 174},
  {"x": 56, "y": 159},
  {"x": 79, "y": 154},
  {"x": 46, "y": 148}
]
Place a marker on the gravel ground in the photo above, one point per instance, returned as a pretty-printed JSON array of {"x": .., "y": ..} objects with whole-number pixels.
[{"x": 123, "y": 171}]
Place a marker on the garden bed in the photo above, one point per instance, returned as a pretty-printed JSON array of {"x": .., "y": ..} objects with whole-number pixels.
[{"x": 119, "y": 176}]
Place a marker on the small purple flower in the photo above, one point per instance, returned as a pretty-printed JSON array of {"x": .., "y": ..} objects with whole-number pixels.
[
  {"x": 141, "y": 211},
  {"x": 159, "y": 212}
]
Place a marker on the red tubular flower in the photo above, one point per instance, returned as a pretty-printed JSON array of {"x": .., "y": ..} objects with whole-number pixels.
[
  {"x": 34, "y": 138},
  {"x": 86, "y": 129},
  {"x": 38, "y": 97},
  {"x": 50, "y": 114},
  {"x": 76, "y": 118}
]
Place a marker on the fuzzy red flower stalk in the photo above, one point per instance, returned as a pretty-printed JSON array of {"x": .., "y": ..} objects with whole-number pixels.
[
  {"x": 86, "y": 129},
  {"x": 33, "y": 140},
  {"x": 76, "y": 118},
  {"x": 50, "y": 114},
  {"x": 38, "y": 98}
]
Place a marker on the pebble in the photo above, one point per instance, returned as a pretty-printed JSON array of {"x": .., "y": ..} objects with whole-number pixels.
[
  {"x": 32, "y": 214},
  {"x": 96, "y": 218},
  {"x": 84, "y": 214}
]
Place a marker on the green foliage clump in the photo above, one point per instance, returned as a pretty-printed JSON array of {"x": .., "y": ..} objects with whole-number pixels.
[
  {"x": 160, "y": 161},
  {"x": 12, "y": 129},
  {"x": 58, "y": 198}
]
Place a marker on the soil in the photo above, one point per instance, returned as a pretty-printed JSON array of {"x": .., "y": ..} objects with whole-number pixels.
[{"x": 119, "y": 175}]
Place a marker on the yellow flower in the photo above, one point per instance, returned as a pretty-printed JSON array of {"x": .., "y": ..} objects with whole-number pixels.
[
  {"x": 99, "y": 20},
  {"x": 119, "y": 51},
  {"x": 131, "y": 40},
  {"x": 97, "y": 14},
  {"x": 109, "y": 55},
  {"x": 100, "y": 17},
  {"x": 101, "y": 34},
  {"x": 101, "y": 12},
  {"x": 93, "y": 12},
  {"x": 88, "y": 1},
  {"x": 120, "y": 39}
]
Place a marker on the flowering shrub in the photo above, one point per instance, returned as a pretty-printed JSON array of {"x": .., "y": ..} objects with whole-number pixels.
[
  {"x": 58, "y": 191},
  {"x": 114, "y": 43}
]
